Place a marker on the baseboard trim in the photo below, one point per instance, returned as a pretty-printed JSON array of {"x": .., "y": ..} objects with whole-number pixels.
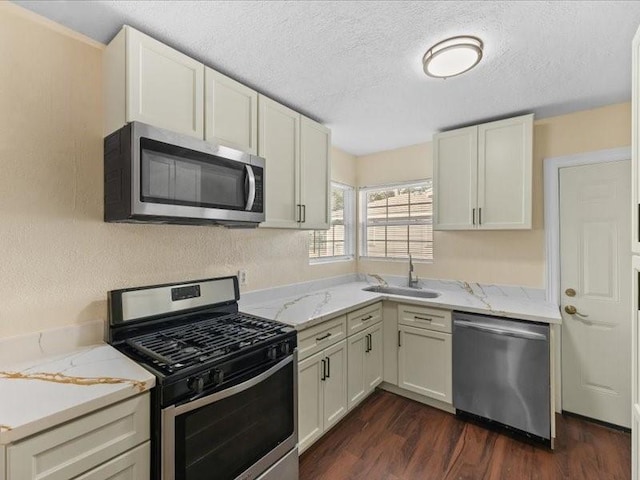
[
  {"x": 613, "y": 426},
  {"x": 431, "y": 402}
]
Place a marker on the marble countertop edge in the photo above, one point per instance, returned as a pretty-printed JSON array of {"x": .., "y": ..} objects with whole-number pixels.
[
  {"x": 9, "y": 434},
  {"x": 314, "y": 307}
]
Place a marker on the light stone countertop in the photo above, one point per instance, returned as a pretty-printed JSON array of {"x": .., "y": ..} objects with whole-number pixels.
[
  {"x": 307, "y": 306},
  {"x": 54, "y": 387}
]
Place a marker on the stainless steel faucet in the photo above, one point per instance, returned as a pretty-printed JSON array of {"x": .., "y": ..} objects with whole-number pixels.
[{"x": 413, "y": 277}]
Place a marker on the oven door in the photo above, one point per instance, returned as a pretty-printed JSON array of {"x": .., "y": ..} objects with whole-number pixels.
[
  {"x": 235, "y": 433},
  {"x": 179, "y": 176}
]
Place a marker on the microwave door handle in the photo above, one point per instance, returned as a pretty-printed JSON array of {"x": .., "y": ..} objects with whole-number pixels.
[{"x": 251, "y": 193}]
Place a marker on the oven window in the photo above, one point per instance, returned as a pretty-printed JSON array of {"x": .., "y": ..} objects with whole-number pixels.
[
  {"x": 178, "y": 176},
  {"x": 221, "y": 440}
]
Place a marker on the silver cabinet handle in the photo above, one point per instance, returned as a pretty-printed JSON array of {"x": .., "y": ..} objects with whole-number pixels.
[
  {"x": 480, "y": 216},
  {"x": 473, "y": 215},
  {"x": 251, "y": 194}
]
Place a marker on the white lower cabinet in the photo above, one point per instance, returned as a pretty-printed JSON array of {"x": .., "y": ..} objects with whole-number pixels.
[
  {"x": 336, "y": 373},
  {"x": 322, "y": 392},
  {"x": 87, "y": 446},
  {"x": 424, "y": 362},
  {"x": 365, "y": 363},
  {"x": 133, "y": 465}
]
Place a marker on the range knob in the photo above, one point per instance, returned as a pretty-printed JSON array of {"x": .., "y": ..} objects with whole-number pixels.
[
  {"x": 272, "y": 353},
  {"x": 285, "y": 348},
  {"x": 196, "y": 384},
  {"x": 217, "y": 376}
]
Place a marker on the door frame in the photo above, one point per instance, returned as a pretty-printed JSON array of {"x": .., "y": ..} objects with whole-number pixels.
[{"x": 551, "y": 167}]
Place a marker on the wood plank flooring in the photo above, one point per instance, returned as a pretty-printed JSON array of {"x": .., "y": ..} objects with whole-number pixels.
[{"x": 392, "y": 438}]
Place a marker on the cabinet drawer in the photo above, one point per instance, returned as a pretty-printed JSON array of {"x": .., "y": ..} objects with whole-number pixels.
[
  {"x": 363, "y": 317},
  {"x": 314, "y": 339},
  {"x": 76, "y": 447},
  {"x": 133, "y": 465},
  {"x": 425, "y": 317}
]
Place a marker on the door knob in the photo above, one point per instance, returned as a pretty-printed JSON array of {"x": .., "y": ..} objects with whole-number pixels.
[
  {"x": 571, "y": 310},
  {"x": 570, "y": 292}
]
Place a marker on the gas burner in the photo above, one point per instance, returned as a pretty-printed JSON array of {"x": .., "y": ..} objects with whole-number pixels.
[{"x": 175, "y": 348}]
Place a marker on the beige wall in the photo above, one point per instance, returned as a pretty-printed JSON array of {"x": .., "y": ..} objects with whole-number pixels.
[
  {"x": 502, "y": 257},
  {"x": 343, "y": 167},
  {"x": 59, "y": 258}
]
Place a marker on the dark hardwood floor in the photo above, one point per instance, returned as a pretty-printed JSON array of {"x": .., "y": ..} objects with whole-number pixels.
[{"x": 392, "y": 438}]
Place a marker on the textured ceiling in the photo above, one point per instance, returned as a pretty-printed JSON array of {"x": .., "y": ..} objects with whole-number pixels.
[{"x": 356, "y": 65}]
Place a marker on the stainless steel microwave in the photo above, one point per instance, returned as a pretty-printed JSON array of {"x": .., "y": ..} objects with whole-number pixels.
[{"x": 153, "y": 175}]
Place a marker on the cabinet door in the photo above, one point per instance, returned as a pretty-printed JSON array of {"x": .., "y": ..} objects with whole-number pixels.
[
  {"x": 335, "y": 385},
  {"x": 424, "y": 362},
  {"x": 635, "y": 148},
  {"x": 455, "y": 168},
  {"x": 278, "y": 143},
  {"x": 635, "y": 365},
  {"x": 315, "y": 147},
  {"x": 165, "y": 88},
  {"x": 373, "y": 360},
  {"x": 504, "y": 174},
  {"x": 310, "y": 400},
  {"x": 356, "y": 346},
  {"x": 78, "y": 446},
  {"x": 133, "y": 465},
  {"x": 230, "y": 112}
]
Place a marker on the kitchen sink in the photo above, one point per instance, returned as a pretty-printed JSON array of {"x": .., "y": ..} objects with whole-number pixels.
[{"x": 405, "y": 292}]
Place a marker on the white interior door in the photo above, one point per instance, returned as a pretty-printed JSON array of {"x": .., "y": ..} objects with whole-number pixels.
[{"x": 594, "y": 259}]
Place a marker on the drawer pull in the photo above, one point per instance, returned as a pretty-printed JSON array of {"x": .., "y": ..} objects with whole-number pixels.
[
  {"x": 324, "y": 337},
  {"x": 426, "y": 319},
  {"x": 366, "y": 319}
]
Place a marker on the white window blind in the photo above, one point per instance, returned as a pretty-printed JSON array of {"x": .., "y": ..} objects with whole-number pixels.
[
  {"x": 396, "y": 220},
  {"x": 337, "y": 243}
]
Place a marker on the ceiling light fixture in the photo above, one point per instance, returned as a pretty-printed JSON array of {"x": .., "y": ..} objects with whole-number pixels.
[{"x": 452, "y": 56}]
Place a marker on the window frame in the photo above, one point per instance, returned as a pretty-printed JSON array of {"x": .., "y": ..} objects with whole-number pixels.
[
  {"x": 362, "y": 220},
  {"x": 349, "y": 226}
]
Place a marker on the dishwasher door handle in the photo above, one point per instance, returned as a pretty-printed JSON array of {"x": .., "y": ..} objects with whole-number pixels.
[{"x": 507, "y": 332}]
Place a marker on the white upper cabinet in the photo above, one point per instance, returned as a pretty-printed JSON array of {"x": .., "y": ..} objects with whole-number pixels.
[
  {"x": 279, "y": 144},
  {"x": 483, "y": 176},
  {"x": 148, "y": 81},
  {"x": 635, "y": 149},
  {"x": 296, "y": 150},
  {"x": 230, "y": 112},
  {"x": 505, "y": 150},
  {"x": 455, "y": 171},
  {"x": 315, "y": 147}
]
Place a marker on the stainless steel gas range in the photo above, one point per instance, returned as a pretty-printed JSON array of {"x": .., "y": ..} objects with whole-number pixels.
[{"x": 225, "y": 404}]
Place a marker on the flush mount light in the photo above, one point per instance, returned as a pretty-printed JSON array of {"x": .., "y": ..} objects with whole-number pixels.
[{"x": 452, "y": 56}]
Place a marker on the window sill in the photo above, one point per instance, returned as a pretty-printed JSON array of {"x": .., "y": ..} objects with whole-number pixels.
[
  {"x": 395, "y": 259},
  {"x": 321, "y": 261}
]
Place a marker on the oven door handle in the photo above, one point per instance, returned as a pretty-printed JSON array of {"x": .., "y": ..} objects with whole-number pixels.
[
  {"x": 251, "y": 194},
  {"x": 241, "y": 387}
]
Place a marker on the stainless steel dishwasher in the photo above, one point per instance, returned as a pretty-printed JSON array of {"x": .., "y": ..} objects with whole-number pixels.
[{"x": 501, "y": 371}]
